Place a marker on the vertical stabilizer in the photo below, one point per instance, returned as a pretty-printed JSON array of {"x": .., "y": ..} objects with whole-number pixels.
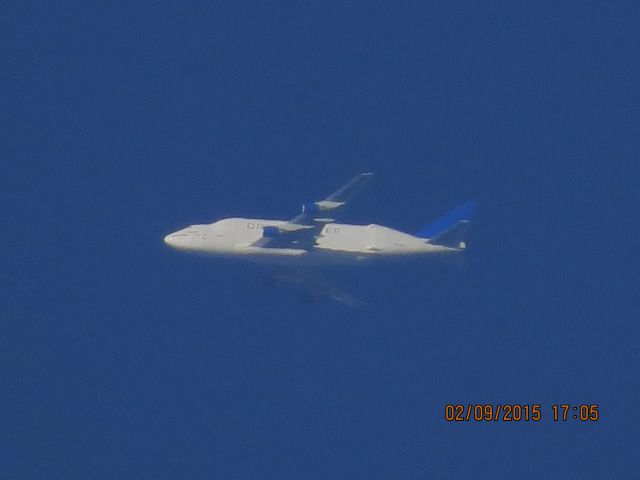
[{"x": 451, "y": 229}]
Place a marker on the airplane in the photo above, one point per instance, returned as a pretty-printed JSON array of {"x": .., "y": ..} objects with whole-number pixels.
[{"x": 314, "y": 238}]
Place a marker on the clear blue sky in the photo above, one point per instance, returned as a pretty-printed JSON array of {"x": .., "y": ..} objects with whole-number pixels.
[{"x": 120, "y": 123}]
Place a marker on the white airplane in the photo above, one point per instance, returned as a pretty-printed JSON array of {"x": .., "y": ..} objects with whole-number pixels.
[{"x": 314, "y": 238}]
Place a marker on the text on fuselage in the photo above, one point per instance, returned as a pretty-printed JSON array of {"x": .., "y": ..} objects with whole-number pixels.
[{"x": 259, "y": 226}]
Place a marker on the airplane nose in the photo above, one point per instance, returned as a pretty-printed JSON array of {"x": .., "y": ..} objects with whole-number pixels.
[{"x": 168, "y": 240}]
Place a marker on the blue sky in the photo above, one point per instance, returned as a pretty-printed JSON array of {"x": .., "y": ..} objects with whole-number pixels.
[{"x": 121, "y": 123}]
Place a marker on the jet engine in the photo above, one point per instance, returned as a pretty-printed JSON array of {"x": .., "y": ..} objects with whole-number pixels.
[{"x": 322, "y": 206}]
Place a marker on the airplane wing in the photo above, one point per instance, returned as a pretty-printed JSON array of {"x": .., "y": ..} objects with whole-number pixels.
[
  {"x": 315, "y": 287},
  {"x": 303, "y": 229}
]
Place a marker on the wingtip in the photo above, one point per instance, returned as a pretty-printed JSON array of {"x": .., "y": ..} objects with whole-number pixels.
[{"x": 469, "y": 207}]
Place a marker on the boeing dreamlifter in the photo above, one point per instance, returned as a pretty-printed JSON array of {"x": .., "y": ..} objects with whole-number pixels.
[{"x": 314, "y": 238}]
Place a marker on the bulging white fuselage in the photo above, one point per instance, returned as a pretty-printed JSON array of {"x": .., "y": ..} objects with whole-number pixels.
[{"x": 337, "y": 243}]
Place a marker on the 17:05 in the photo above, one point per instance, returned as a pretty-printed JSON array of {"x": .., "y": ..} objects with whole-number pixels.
[{"x": 584, "y": 412}]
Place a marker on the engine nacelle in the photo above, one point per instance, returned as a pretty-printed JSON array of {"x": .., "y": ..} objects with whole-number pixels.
[
  {"x": 321, "y": 206},
  {"x": 270, "y": 231}
]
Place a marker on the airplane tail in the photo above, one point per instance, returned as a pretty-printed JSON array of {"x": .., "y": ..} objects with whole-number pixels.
[{"x": 451, "y": 229}]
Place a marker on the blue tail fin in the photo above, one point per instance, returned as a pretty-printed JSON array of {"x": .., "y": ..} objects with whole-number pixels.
[{"x": 450, "y": 229}]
